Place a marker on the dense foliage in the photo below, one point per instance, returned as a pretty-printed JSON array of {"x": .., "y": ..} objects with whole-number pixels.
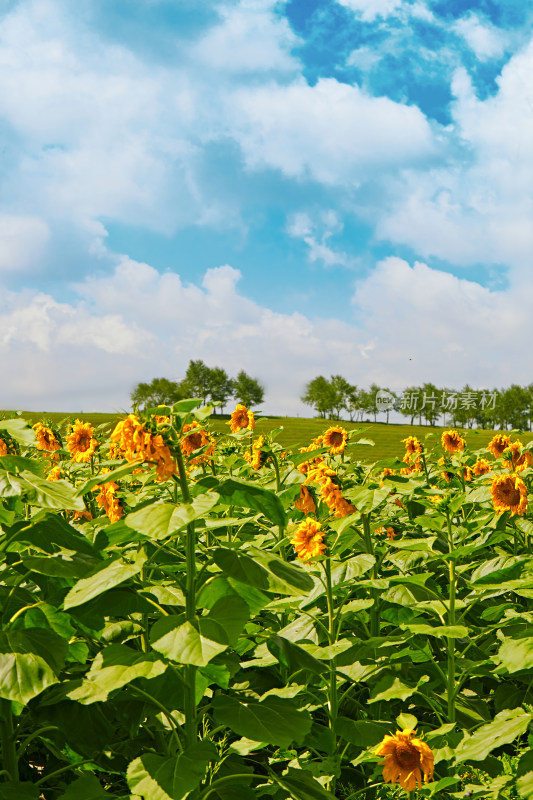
[{"x": 185, "y": 614}]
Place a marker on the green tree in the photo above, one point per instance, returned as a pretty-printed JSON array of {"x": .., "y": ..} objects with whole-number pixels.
[
  {"x": 341, "y": 391},
  {"x": 247, "y": 390},
  {"x": 431, "y": 402},
  {"x": 196, "y": 382},
  {"x": 320, "y": 394},
  {"x": 221, "y": 387},
  {"x": 160, "y": 391}
]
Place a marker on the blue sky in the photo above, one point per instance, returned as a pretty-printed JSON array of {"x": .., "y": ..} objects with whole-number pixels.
[{"x": 294, "y": 188}]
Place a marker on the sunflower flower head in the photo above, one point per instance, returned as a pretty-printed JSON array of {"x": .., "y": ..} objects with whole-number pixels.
[
  {"x": 4, "y": 450},
  {"x": 308, "y": 539},
  {"x": 257, "y": 457},
  {"x": 241, "y": 418},
  {"x": 81, "y": 443},
  {"x": 335, "y": 438},
  {"x": 517, "y": 458},
  {"x": 481, "y": 467},
  {"x": 498, "y": 444},
  {"x": 407, "y": 760},
  {"x": 54, "y": 474},
  {"x": 452, "y": 442},
  {"x": 194, "y": 437},
  {"x": 46, "y": 439},
  {"x": 509, "y": 493},
  {"x": 305, "y": 502},
  {"x": 412, "y": 445},
  {"x": 107, "y": 500},
  {"x": 385, "y": 474}
]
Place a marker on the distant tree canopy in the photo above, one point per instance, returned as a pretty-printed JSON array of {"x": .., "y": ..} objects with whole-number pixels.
[
  {"x": 510, "y": 407},
  {"x": 207, "y": 383}
]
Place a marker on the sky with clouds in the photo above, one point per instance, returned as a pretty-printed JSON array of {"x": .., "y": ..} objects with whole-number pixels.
[{"x": 289, "y": 187}]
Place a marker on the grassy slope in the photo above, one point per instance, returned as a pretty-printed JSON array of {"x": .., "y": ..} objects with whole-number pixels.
[{"x": 297, "y": 431}]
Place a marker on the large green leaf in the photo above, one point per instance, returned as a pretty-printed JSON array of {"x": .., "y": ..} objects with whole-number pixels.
[
  {"x": 60, "y": 565},
  {"x": 302, "y": 785},
  {"x": 182, "y": 642},
  {"x": 390, "y": 687},
  {"x": 155, "y": 777},
  {"x": 249, "y": 495},
  {"x": 114, "y": 667},
  {"x": 265, "y": 571},
  {"x": 516, "y": 654},
  {"x": 274, "y": 720},
  {"x": 160, "y": 520},
  {"x": 226, "y": 620},
  {"x": 20, "y": 791},
  {"x": 110, "y": 574},
  {"x": 362, "y": 733},
  {"x": 50, "y": 533},
  {"x": 504, "y": 728},
  {"x": 86, "y": 788},
  {"x": 57, "y": 495},
  {"x": 10, "y": 485},
  {"x": 23, "y": 676},
  {"x": 451, "y": 631},
  {"x": 20, "y": 430},
  {"x": 294, "y": 658}
]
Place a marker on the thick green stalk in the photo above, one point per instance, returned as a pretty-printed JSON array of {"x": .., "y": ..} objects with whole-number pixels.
[
  {"x": 7, "y": 735},
  {"x": 374, "y": 611},
  {"x": 190, "y": 606},
  {"x": 450, "y": 691},
  {"x": 333, "y": 703}
]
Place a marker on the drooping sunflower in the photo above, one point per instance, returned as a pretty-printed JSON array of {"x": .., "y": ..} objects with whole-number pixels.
[
  {"x": 452, "y": 441},
  {"x": 498, "y": 444},
  {"x": 335, "y": 438},
  {"x": 408, "y": 760},
  {"x": 81, "y": 443},
  {"x": 509, "y": 493},
  {"x": 308, "y": 539},
  {"x": 517, "y": 459},
  {"x": 3, "y": 448},
  {"x": 107, "y": 500},
  {"x": 305, "y": 502},
  {"x": 412, "y": 445},
  {"x": 54, "y": 474},
  {"x": 46, "y": 438},
  {"x": 194, "y": 438},
  {"x": 241, "y": 418},
  {"x": 257, "y": 457},
  {"x": 481, "y": 467}
]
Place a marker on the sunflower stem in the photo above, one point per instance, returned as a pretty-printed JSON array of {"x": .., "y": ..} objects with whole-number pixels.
[
  {"x": 374, "y": 611},
  {"x": 450, "y": 690},
  {"x": 7, "y": 736},
  {"x": 190, "y": 605},
  {"x": 332, "y": 638}
]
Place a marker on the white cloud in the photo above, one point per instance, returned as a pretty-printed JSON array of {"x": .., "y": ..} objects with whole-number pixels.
[
  {"x": 331, "y": 132},
  {"x": 369, "y": 10},
  {"x": 478, "y": 207},
  {"x": 316, "y": 235},
  {"x": 483, "y": 38},
  {"x": 23, "y": 241},
  {"x": 249, "y": 38}
]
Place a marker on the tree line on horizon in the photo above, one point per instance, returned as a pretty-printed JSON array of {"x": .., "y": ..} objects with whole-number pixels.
[
  {"x": 337, "y": 398},
  {"x": 208, "y": 383}
]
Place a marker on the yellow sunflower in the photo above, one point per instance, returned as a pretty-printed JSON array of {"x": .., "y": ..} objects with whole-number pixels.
[
  {"x": 107, "y": 500},
  {"x": 3, "y": 448},
  {"x": 517, "y": 459},
  {"x": 81, "y": 443},
  {"x": 241, "y": 418},
  {"x": 308, "y": 539},
  {"x": 407, "y": 759},
  {"x": 195, "y": 437},
  {"x": 452, "y": 442},
  {"x": 305, "y": 502},
  {"x": 509, "y": 493},
  {"x": 412, "y": 445},
  {"x": 498, "y": 444},
  {"x": 46, "y": 439},
  {"x": 54, "y": 474},
  {"x": 256, "y": 458},
  {"x": 481, "y": 467},
  {"x": 335, "y": 438},
  {"x": 385, "y": 474}
]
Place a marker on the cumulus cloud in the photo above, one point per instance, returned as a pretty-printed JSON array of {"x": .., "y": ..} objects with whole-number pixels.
[
  {"x": 478, "y": 207},
  {"x": 330, "y": 132},
  {"x": 483, "y": 38},
  {"x": 370, "y": 9},
  {"x": 23, "y": 241}
]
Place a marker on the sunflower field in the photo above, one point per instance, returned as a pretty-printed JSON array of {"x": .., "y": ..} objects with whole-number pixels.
[{"x": 189, "y": 614}]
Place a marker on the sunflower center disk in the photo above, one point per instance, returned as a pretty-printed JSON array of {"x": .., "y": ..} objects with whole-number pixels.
[{"x": 407, "y": 756}]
